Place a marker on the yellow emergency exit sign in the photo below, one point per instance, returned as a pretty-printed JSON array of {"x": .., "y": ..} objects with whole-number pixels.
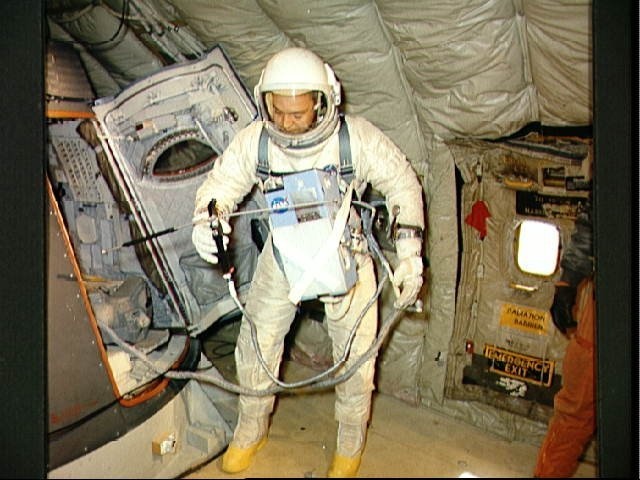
[{"x": 516, "y": 365}]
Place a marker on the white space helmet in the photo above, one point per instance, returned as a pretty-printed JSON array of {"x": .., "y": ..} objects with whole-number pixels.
[{"x": 295, "y": 71}]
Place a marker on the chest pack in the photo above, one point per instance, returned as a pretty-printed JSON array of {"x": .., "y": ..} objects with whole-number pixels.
[{"x": 309, "y": 224}]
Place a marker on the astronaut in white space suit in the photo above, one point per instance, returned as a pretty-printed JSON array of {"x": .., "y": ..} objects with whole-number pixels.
[{"x": 298, "y": 97}]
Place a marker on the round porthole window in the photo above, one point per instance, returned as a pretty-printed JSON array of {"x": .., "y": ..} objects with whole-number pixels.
[{"x": 183, "y": 157}]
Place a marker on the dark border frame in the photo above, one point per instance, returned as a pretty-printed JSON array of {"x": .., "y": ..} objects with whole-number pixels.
[
  {"x": 22, "y": 247},
  {"x": 615, "y": 27},
  {"x": 23, "y": 397}
]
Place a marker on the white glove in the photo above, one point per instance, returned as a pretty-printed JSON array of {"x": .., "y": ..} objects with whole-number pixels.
[
  {"x": 202, "y": 235},
  {"x": 407, "y": 278}
]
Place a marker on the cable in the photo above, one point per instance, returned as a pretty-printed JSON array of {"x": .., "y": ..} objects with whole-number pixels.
[
  {"x": 254, "y": 334},
  {"x": 203, "y": 219},
  {"x": 316, "y": 378},
  {"x": 123, "y": 18},
  {"x": 308, "y": 385}
]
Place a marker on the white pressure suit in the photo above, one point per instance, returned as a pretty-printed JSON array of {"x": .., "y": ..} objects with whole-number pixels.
[
  {"x": 301, "y": 134},
  {"x": 376, "y": 160}
]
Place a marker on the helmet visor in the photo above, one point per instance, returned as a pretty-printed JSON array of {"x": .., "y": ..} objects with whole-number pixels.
[
  {"x": 297, "y": 117},
  {"x": 294, "y": 112}
]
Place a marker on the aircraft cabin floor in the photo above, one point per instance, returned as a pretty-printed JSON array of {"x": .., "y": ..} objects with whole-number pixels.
[{"x": 403, "y": 441}]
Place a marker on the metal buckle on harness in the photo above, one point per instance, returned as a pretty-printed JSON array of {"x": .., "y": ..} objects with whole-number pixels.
[{"x": 406, "y": 231}]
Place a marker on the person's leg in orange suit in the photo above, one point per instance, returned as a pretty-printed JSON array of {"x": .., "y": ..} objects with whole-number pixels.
[{"x": 573, "y": 421}]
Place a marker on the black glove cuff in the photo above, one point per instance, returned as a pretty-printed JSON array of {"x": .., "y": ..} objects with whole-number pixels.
[
  {"x": 572, "y": 277},
  {"x": 561, "y": 310}
]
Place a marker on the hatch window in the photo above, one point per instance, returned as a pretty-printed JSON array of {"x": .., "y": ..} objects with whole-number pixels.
[
  {"x": 183, "y": 157},
  {"x": 537, "y": 247}
]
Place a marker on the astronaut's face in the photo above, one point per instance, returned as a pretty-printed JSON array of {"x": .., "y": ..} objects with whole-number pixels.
[{"x": 294, "y": 114}]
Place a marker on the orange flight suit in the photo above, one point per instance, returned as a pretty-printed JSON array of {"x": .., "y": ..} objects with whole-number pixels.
[{"x": 573, "y": 421}]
